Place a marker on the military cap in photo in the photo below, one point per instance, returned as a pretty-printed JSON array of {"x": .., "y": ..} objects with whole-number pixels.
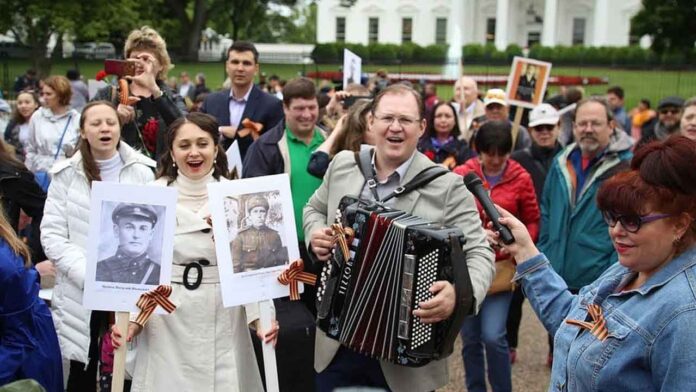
[
  {"x": 143, "y": 211},
  {"x": 257, "y": 201}
]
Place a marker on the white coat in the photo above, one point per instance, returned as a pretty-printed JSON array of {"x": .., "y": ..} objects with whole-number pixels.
[
  {"x": 44, "y": 139},
  {"x": 64, "y": 232},
  {"x": 201, "y": 346}
]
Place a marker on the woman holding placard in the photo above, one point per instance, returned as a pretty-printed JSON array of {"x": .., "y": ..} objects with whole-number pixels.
[
  {"x": 202, "y": 346},
  {"x": 102, "y": 156}
]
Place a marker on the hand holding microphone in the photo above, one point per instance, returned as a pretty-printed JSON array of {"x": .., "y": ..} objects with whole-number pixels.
[
  {"x": 475, "y": 186},
  {"x": 508, "y": 229}
]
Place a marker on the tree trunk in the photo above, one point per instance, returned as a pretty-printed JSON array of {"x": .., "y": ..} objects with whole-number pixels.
[{"x": 200, "y": 17}]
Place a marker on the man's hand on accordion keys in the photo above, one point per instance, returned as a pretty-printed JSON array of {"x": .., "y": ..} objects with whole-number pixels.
[
  {"x": 440, "y": 307},
  {"x": 322, "y": 242}
]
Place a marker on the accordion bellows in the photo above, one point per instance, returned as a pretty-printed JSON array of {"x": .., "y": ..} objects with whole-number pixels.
[{"x": 366, "y": 300}]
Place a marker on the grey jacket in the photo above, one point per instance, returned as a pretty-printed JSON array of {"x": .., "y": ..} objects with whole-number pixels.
[{"x": 445, "y": 200}]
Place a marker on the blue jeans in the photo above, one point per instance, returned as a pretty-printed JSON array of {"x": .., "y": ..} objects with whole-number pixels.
[
  {"x": 351, "y": 369},
  {"x": 488, "y": 329}
]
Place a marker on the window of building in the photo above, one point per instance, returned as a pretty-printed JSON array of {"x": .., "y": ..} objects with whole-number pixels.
[
  {"x": 578, "y": 31},
  {"x": 533, "y": 38},
  {"x": 490, "y": 30},
  {"x": 406, "y": 29},
  {"x": 341, "y": 29},
  {"x": 373, "y": 30},
  {"x": 441, "y": 30}
]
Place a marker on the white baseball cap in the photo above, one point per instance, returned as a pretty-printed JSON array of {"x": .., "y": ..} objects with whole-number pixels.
[
  {"x": 495, "y": 95},
  {"x": 543, "y": 114}
]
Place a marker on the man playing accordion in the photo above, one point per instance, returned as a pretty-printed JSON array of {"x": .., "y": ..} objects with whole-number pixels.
[{"x": 397, "y": 121}]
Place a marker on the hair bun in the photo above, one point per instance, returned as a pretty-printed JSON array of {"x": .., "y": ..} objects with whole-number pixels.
[{"x": 669, "y": 164}]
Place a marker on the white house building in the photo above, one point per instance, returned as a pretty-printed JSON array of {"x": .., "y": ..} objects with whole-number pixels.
[{"x": 502, "y": 22}]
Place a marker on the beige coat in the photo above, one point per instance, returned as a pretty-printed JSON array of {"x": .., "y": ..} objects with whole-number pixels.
[
  {"x": 444, "y": 200},
  {"x": 202, "y": 346}
]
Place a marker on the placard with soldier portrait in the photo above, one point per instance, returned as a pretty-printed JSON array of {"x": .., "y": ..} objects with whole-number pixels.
[
  {"x": 254, "y": 228},
  {"x": 527, "y": 82},
  {"x": 131, "y": 235}
]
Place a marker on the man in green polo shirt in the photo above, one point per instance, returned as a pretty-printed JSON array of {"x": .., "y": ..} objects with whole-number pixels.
[{"x": 286, "y": 148}]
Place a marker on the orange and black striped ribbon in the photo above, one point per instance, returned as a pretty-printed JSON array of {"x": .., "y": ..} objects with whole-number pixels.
[
  {"x": 149, "y": 301},
  {"x": 344, "y": 236},
  {"x": 598, "y": 327},
  {"x": 292, "y": 275}
]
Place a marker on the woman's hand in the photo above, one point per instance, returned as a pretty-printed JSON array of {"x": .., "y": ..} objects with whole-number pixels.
[
  {"x": 133, "y": 331},
  {"x": 46, "y": 268},
  {"x": 146, "y": 70},
  {"x": 270, "y": 336},
  {"x": 322, "y": 242},
  {"x": 523, "y": 248},
  {"x": 125, "y": 113}
]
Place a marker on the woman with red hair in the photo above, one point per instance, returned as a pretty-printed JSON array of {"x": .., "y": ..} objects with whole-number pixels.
[{"x": 634, "y": 325}]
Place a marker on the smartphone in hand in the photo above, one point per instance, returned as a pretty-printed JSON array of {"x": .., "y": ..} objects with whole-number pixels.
[{"x": 120, "y": 68}]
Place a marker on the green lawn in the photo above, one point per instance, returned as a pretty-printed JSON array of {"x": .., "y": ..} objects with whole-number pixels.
[{"x": 637, "y": 84}]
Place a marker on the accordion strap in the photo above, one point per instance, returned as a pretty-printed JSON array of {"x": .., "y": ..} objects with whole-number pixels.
[{"x": 425, "y": 176}]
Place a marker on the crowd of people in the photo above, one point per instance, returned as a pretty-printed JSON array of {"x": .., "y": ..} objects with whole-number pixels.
[{"x": 601, "y": 202}]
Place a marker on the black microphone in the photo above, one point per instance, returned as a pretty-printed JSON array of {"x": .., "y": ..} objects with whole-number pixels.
[{"x": 475, "y": 185}]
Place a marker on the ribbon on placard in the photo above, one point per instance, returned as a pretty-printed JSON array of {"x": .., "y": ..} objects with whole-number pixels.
[
  {"x": 598, "y": 327},
  {"x": 148, "y": 302},
  {"x": 294, "y": 273},
  {"x": 344, "y": 236}
]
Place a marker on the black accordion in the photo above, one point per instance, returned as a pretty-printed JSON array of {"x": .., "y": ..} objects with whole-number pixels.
[{"x": 382, "y": 266}]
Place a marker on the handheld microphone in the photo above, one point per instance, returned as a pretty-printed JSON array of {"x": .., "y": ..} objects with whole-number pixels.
[{"x": 475, "y": 185}]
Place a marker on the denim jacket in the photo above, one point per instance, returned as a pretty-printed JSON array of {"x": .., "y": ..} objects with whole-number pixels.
[{"x": 652, "y": 329}]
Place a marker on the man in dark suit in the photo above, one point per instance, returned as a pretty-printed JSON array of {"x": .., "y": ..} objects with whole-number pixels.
[{"x": 244, "y": 100}]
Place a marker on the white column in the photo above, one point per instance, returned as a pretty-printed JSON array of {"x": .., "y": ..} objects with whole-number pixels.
[
  {"x": 501, "y": 24},
  {"x": 601, "y": 22},
  {"x": 548, "y": 34}
]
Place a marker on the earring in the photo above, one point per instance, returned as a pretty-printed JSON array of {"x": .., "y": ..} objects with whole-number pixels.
[
  {"x": 173, "y": 164},
  {"x": 214, "y": 161}
]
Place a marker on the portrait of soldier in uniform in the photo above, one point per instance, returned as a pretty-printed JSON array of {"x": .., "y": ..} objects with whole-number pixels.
[
  {"x": 527, "y": 84},
  {"x": 256, "y": 245},
  {"x": 133, "y": 227}
]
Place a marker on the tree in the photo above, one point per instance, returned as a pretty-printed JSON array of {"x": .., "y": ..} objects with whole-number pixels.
[
  {"x": 670, "y": 24},
  {"x": 34, "y": 22}
]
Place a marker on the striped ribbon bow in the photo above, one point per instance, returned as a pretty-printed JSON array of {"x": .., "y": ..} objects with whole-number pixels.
[
  {"x": 292, "y": 275},
  {"x": 149, "y": 301},
  {"x": 344, "y": 236},
  {"x": 598, "y": 327}
]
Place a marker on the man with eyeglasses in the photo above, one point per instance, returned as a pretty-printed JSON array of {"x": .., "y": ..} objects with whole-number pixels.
[
  {"x": 669, "y": 112},
  {"x": 573, "y": 233},
  {"x": 397, "y": 121}
]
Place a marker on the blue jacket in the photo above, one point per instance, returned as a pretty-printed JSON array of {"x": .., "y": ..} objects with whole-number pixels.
[
  {"x": 651, "y": 329},
  {"x": 261, "y": 107},
  {"x": 28, "y": 341},
  {"x": 573, "y": 233}
]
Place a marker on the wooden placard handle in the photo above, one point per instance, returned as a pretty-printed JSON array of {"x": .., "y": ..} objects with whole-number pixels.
[
  {"x": 269, "y": 357},
  {"x": 119, "y": 369}
]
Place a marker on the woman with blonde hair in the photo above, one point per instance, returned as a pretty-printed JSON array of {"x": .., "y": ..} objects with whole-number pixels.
[
  {"x": 102, "y": 156},
  {"x": 152, "y": 106},
  {"x": 29, "y": 346}
]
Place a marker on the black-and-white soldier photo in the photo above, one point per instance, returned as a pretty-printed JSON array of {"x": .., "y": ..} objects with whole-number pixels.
[{"x": 133, "y": 230}]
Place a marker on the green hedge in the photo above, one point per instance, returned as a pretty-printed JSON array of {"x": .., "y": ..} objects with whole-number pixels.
[{"x": 410, "y": 53}]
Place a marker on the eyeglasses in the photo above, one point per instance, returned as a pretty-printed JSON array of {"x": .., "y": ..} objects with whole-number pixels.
[
  {"x": 402, "y": 120},
  {"x": 592, "y": 124},
  {"x": 631, "y": 223},
  {"x": 543, "y": 128},
  {"x": 670, "y": 111}
]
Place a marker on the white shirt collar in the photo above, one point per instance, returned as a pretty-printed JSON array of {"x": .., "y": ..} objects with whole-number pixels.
[{"x": 246, "y": 96}]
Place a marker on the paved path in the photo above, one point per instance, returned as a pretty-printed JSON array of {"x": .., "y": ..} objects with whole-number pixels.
[{"x": 529, "y": 373}]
